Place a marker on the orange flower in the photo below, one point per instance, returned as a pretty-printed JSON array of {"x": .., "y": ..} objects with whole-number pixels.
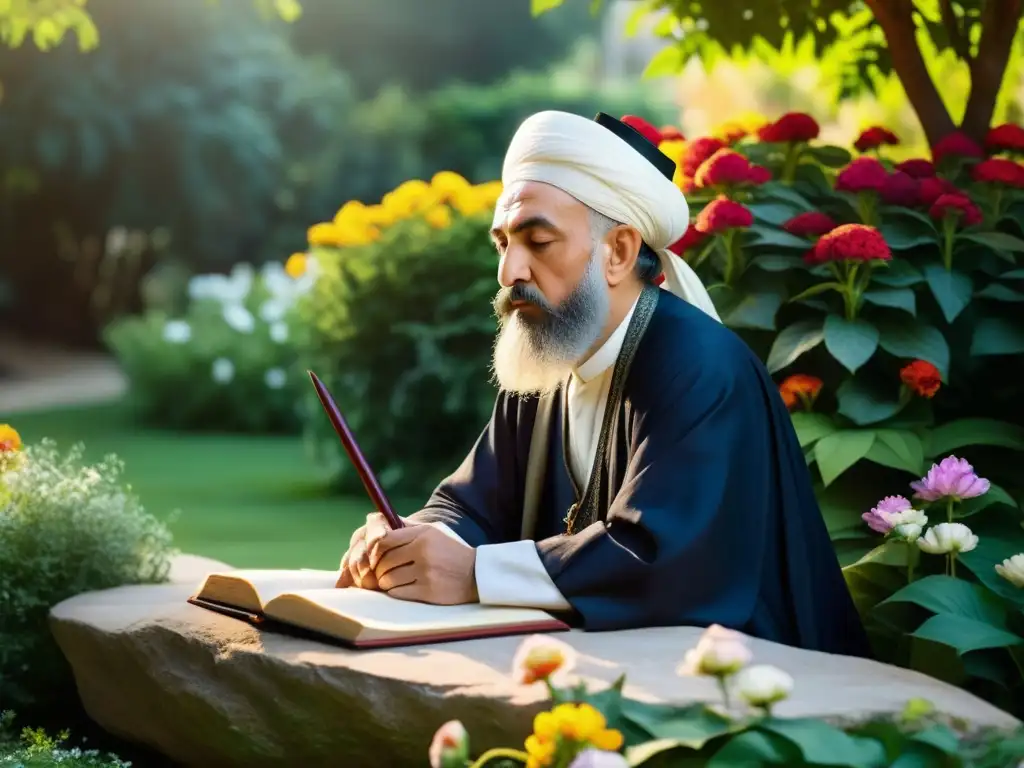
[
  {"x": 800, "y": 388},
  {"x": 539, "y": 658},
  {"x": 10, "y": 440},
  {"x": 922, "y": 378}
]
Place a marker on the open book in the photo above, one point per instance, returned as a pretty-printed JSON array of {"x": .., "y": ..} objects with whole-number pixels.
[{"x": 308, "y": 600}]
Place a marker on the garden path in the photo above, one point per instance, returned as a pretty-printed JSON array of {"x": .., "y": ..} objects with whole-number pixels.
[{"x": 34, "y": 376}]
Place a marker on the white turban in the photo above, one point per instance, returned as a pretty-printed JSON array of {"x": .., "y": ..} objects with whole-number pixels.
[{"x": 589, "y": 162}]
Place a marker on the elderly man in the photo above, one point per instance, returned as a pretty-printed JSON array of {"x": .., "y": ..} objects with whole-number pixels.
[{"x": 639, "y": 468}]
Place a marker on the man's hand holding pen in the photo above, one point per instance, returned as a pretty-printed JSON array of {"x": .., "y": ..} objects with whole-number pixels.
[{"x": 417, "y": 562}]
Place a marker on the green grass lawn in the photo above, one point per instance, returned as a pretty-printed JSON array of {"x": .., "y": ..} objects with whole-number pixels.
[{"x": 251, "y": 501}]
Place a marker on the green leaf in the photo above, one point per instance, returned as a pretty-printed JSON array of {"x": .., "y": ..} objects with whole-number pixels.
[
  {"x": 785, "y": 194},
  {"x": 952, "y": 290},
  {"x": 824, "y": 744},
  {"x": 1014, "y": 274},
  {"x": 898, "y": 274},
  {"x": 774, "y": 213},
  {"x": 839, "y": 451},
  {"x": 863, "y": 405},
  {"x": 1000, "y": 537},
  {"x": 915, "y": 340},
  {"x": 830, "y": 156},
  {"x": 776, "y": 263},
  {"x": 965, "y": 634},
  {"x": 895, "y": 298},
  {"x": 963, "y": 432},
  {"x": 537, "y": 7},
  {"x": 755, "y": 747},
  {"x": 949, "y": 595},
  {"x": 851, "y": 342},
  {"x": 898, "y": 449},
  {"x": 752, "y": 310},
  {"x": 997, "y": 336},
  {"x": 668, "y": 61},
  {"x": 811, "y": 427},
  {"x": 761, "y": 235},
  {"x": 995, "y": 495},
  {"x": 999, "y": 292},
  {"x": 691, "y": 726},
  {"x": 997, "y": 241},
  {"x": 815, "y": 290},
  {"x": 793, "y": 341},
  {"x": 941, "y": 737},
  {"x": 904, "y": 232}
]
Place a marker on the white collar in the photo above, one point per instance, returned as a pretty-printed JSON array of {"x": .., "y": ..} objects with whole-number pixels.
[{"x": 606, "y": 355}]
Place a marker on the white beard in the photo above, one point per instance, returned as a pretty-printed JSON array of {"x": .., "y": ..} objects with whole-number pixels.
[{"x": 522, "y": 369}]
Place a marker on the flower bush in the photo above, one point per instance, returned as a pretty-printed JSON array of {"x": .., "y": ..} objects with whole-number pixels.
[
  {"x": 228, "y": 362},
  {"x": 33, "y": 748},
  {"x": 604, "y": 729},
  {"x": 66, "y": 527}
]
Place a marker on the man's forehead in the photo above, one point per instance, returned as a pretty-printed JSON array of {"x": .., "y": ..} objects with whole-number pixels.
[{"x": 527, "y": 199}]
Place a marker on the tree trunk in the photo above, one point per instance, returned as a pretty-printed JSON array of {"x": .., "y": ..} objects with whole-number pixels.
[
  {"x": 897, "y": 22},
  {"x": 999, "y": 21}
]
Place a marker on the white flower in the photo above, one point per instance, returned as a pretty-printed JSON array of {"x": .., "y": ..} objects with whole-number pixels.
[
  {"x": 273, "y": 310},
  {"x": 239, "y": 318},
  {"x": 279, "y": 333},
  {"x": 947, "y": 537},
  {"x": 177, "y": 331},
  {"x": 1012, "y": 569},
  {"x": 908, "y": 531},
  {"x": 541, "y": 657},
  {"x": 275, "y": 378},
  {"x": 231, "y": 289},
  {"x": 450, "y": 745},
  {"x": 763, "y": 685},
  {"x": 719, "y": 651},
  {"x": 223, "y": 370},
  {"x": 598, "y": 758}
]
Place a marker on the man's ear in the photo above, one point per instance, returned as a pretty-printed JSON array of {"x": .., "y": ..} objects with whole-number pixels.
[{"x": 624, "y": 244}]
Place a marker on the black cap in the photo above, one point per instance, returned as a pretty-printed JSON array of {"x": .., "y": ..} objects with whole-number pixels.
[{"x": 639, "y": 142}]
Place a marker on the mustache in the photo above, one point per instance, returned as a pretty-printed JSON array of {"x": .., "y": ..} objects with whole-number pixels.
[{"x": 521, "y": 292}]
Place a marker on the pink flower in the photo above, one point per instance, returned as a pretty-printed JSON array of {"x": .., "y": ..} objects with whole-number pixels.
[
  {"x": 450, "y": 746},
  {"x": 719, "y": 652},
  {"x": 896, "y": 515},
  {"x": 952, "y": 478},
  {"x": 863, "y": 174},
  {"x": 956, "y": 144},
  {"x": 917, "y": 168},
  {"x": 902, "y": 189}
]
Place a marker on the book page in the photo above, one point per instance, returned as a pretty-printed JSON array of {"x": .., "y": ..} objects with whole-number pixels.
[
  {"x": 381, "y": 616},
  {"x": 252, "y": 589}
]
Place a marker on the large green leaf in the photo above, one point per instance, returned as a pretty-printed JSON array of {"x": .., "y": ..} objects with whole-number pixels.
[
  {"x": 824, "y": 744},
  {"x": 785, "y": 194},
  {"x": 755, "y": 747},
  {"x": 999, "y": 292},
  {"x": 776, "y": 262},
  {"x": 895, "y": 298},
  {"x": 963, "y": 432},
  {"x": 793, "y": 341},
  {"x": 761, "y": 235},
  {"x": 946, "y": 594},
  {"x": 811, "y": 427},
  {"x": 951, "y": 289},
  {"x": 897, "y": 274},
  {"x": 915, "y": 340},
  {"x": 997, "y": 336},
  {"x": 965, "y": 634},
  {"x": 1000, "y": 537},
  {"x": 774, "y": 213},
  {"x": 692, "y": 726},
  {"x": 851, "y": 342},
  {"x": 839, "y": 451},
  {"x": 1000, "y": 242},
  {"x": 864, "y": 405},
  {"x": 899, "y": 449},
  {"x": 756, "y": 309},
  {"x": 903, "y": 232},
  {"x": 830, "y": 156},
  {"x": 995, "y": 495}
]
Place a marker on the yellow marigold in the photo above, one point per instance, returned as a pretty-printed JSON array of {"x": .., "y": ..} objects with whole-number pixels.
[
  {"x": 470, "y": 202},
  {"x": 10, "y": 440},
  {"x": 674, "y": 149},
  {"x": 296, "y": 265},
  {"x": 325, "y": 234},
  {"x": 351, "y": 213},
  {"x": 447, "y": 184},
  {"x": 490, "y": 191},
  {"x": 358, "y": 234},
  {"x": 439, "y": 217},
  {"x": 576, "y": 725},
  {"x": 378, "y": 215},
  {"x": 540, "y": 752}
]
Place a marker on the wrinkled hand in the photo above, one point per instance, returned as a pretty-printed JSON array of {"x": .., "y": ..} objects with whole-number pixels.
[
  {"x": 355, "y": 569},
  {"x": 423, "y": 563}
]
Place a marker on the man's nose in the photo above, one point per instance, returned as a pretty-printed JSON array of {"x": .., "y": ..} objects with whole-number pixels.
[{"x": 514, "y": 266}]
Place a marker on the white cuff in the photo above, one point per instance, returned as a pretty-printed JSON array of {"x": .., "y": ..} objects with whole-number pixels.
[{"x": 513, "y": 574}]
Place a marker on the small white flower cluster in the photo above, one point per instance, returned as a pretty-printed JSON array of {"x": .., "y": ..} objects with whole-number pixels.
[
  {"x": 232, "y": 292},
  {"x": 725, "y": 655}
]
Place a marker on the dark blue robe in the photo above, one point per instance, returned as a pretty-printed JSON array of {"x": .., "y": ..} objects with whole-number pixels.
[{"x": 707, "y": 510}]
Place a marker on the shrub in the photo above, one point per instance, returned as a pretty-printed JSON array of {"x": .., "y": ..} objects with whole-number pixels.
[
  {"x": 397, "y": 326},
  {"x": 605, "y": 729},
  {"x": 33, "y": 748},
  {"x": 66, "y": 527},
  {"x": 227, "y": 363}
]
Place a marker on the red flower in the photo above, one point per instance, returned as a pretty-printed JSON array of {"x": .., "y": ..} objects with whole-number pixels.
[
  {"x": 901, "y": 189},
  {"x": 875, "y": 137},
  {"x": 721, "y": 169},
  {"x": 921, "y": 377},
  {"x": 861, "y": 175},
  {"x": 1005, "y": 138},
  {"x": 956, "y": 143},
  {"x": 999, "y": 170},
  {"x": 810, "y": 224},
  {"x": 917, "y": 168},
  {"x": 690, "y": 239},
  {"x": 697, "y": 151},
  {"x": 850, "y": 242},
  {"x": 933, "y": 188},
  {"x": 723, "y": 214},
  {"x": 791, "y": 127},
  {"x": 671, "y": 133},
  {"x": 646, "y": 130},
  {"x": 799, "y": 387},
  {"x": 759, "y": 175},
  {"x": 956, "y": 204}
]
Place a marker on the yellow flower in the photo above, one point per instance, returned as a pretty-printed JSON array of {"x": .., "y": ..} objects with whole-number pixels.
[
  {"x": 378, "y": 215},
  {"x": 470, "y": 201},
  {"x": 10, "y": 440},
  {"x": 296, "y": 265},
  {"x": 489, "y": 192},
  {"x": 578, "y": 722},
  {"x": 357, "y": 233},
  {"x": 324, "y": 234},
  {"x": 439, "y": 217},
  {"x": 608, "y": 740},
  {"x": 674, "y": 149},
  {"x": 578, "y": 725},
  {"x": 539, "y": 658},
  {"x": 540, "y": 752},
  {"x": 447, "y": 184},
  {"x": 351, "y": 213}
]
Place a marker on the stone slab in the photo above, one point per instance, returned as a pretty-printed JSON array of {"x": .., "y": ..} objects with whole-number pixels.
[{"x": 206, "y": 689}]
